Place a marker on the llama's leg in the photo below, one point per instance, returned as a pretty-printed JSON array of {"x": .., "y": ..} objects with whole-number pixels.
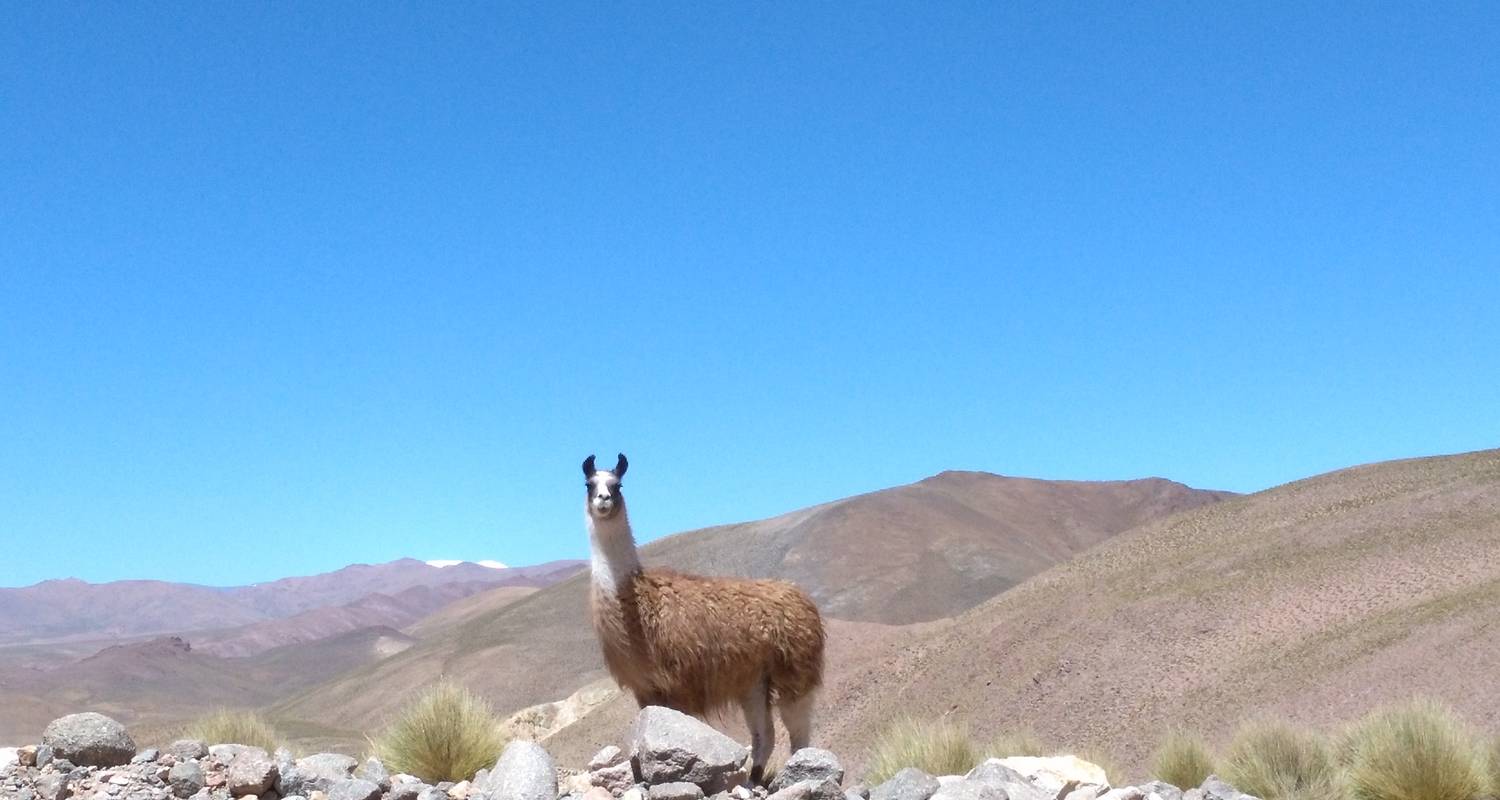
[
  {"x": 796, "y": 715},
  {"x": 757, "y": 707}
]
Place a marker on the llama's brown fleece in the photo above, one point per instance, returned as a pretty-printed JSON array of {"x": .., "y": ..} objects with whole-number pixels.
[{"x": 698, "y": 644}]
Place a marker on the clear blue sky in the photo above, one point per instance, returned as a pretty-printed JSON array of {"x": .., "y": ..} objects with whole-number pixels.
[{"x": 286, "y": 286}]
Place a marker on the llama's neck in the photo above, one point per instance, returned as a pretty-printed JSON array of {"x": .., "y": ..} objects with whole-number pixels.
[{"x": 613, "y": 560}]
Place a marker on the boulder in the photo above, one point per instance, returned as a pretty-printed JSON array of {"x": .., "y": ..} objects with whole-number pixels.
[
  {"x": 314, "y": 773},
  {"x": 675, "y": 791},
  {"x": 967, "y": 789},
  {"x": 354, "y": 789},
  {"x": 1214, "y": 788},
  {"x": 524, "y": 772},
  {"x": 809, "y": 764},
  {"x": 908, "y": 784},
  {"x": 1015, "y": 785},
  {"x": 250, "y": 772},
  {"x": 1052, "y": 773},
  {"x": 89, "y": 740},
  {"x": 185, "y": 778},
  {"x": 669, "y": 746},
  {"x": 825, "y": 789}
]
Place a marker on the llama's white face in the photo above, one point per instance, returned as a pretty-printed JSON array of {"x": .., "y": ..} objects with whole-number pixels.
[{"x": 604, "y": 498}]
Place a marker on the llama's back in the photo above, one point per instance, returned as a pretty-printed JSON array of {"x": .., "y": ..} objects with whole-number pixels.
[{"x": 715, "y": 638}]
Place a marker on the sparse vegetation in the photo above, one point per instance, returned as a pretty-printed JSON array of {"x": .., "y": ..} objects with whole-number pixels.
[
  {"x": 1023, "y": 742},
  {"x": 941, "y": 747},
  {"x": 227, "y": 726},
  {"x": 1183, "y": 759},
  {"x": 1417, "y": 751},
  {"x": 1279, "y": 761},
  {"x": 447, "y": 733},
  {"x": 1494, "y": 765}
]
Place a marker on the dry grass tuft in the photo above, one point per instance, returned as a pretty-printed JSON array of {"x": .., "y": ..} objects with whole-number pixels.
[
  {"x": 1023, "y": 742},
  {"x": 234, "y": 727},
  {"x": 447, "y": 733},
  {"x": 1183, "y": 760},
  {"x": 1278, "y": 761},
  {"x": 1417, "y": 751},
  {"x": 937, "y": 748}
]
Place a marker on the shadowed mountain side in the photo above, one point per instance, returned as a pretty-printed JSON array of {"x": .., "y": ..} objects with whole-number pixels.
[
  {"x": 461, "y": 611},
  {"x": 1315, "y": 600},
  {"x": 897, "y": 555}
]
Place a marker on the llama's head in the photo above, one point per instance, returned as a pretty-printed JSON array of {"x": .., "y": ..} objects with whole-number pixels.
[{"x": 604, "y": 497}]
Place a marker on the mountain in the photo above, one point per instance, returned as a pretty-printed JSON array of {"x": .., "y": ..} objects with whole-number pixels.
[
  {"x": 912, "y": 553},
  {"x": 74, "y": 610},
  {"x": 1315, "y": 601}
]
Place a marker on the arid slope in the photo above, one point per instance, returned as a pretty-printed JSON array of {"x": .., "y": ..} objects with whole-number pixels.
[
  {"x": 902, "y": 555},
  {"x": 1313, "y": 600}
]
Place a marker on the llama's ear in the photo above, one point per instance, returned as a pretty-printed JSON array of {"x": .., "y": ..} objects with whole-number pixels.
[
  {"x": 588, "y": 467},
  {"x": 620, "y": 466}
]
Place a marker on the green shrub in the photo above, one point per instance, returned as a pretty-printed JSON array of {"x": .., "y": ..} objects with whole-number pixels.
[
  {"x": 1277, "y": 761},
  {"x": 234, "y": 727},
  {"x": 447, "y": 733},
  {"x": 937, "y": 748},
  {"x": 1417, "y": 751},
  {"x": 1023, "y": 742},
  {"x": 1183, "y": 760}
]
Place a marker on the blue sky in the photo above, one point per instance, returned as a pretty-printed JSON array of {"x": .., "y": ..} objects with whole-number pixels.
[{"x": 286, "y": 286}]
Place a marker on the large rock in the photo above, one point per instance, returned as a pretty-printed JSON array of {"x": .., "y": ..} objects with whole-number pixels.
[
  {"x": 969, "y": 790},
  {"x": 185, "y": 778},
  {"x": 1214, "y": 788},
  {"x": 825, "y": 789},
  {"x": 251, "y": 772},
  {"x": 809, "y": 764},
  {"x": 908, "y": 784},
  {"x": 354, "y": 789},
  {"x": 1015, "y": 785},
  {"x": 669, "y": 746},
  {"x": 315, "y": 773},
  {"x": 524, "y": 772},
  {"x": 1052, "y": 773},
  {"x": 89, "y": 740}
]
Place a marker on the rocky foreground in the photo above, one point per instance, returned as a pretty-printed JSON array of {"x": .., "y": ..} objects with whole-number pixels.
[{"x": 671, "y": 756}]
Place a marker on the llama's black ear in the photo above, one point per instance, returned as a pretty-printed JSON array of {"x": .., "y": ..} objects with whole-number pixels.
[
  {"x": 588, "y": 467},
  {"x": 620, "y": 466}
]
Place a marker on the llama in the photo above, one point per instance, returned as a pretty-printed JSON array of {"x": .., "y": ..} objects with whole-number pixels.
[{"x": 700, "y": 644}]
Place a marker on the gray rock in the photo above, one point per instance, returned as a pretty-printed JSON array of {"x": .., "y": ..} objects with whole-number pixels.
[
  {"x": 146, "y": 756},
  {"x": 376, "y": 773},
  {"x": 407, "y": 791},
  {"x": 44, "y": 756},
  {"x": 853, "y": 795},
  {"x": 315, "y": 773},
  {"x": 1193, "y": 794},
  {"x": 188, "y": 749},
  {"x": 52, "y": 786},
  {"x": 186, "y": 778},
  {"x": 669, "y": 746},
  {"x": 809, "y": 764},
  {"x": 1015, "y": 785},
  {"x": 969, "y": 789},
  {"x": 1123, "y": 793},
  {"x": 608, "y": 757},
  {"x": 1214, "y": 788},
  {"x": 251, "y": 772},
  {"x": 908, "y": 784},
  {"x": 615, "y": 778},
  {"x": 433, "y": 793},
  {"x": 524, "y": 772},
  {"x": 825, "y": 789},
  {"x": 860, "y": 789},
  {"x": 89, "y": 739},
  {"x": 1088, "y": 791},
  {"x": 675, "y": 791},
  {"x": 1162, "y": 789},
  {"x": 354, "y": 789}
]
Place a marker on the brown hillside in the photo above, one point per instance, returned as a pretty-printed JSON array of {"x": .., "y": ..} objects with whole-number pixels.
[
  {"x": 1314, "y": 600},
  {"x": 910, "y": 553}
]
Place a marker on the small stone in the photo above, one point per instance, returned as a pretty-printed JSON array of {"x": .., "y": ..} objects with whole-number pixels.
[
  {"x": 524, "y": 772},
  {"x": 1162, "y": 789},
  {"x": 375, "y": 772},
  {"x": 458, "y": 791},
  {"x": 908, "y": 784},
  {"x": 1124, "y": 793},
  {"x": 185, "y": 779},
  {"x": 970, "y": 790},
  {"x": 809, "y": 764},
  {"x": 354, "y": 789},
  {"x": 1016, "y": 786},
  {"x": 407, "y": 790},
  {"x": 251, "y": 772},
  {"x": 675, "y": 791},
  {"x": 825, "y": 789},
  {"x": 52, "y": 786},
  {"x": 89, "y": 739},
  {"x": 860, "y": 789},
  {"x": 615, "y": 779},
  {"x": 188, "y": 749},
  {"x": 634, "y": 793},
  {"x": 146, "y": 756},
  {"x": 433, "y": 793},
  {"x": 597, "y": 793},
  {"x": 608, "y": 757},
  {"x": 26, "y": 756},
  {"x": 44, "y": 756}
]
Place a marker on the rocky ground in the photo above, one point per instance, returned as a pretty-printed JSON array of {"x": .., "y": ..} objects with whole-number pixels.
[{"x": 670, "y": 756}]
